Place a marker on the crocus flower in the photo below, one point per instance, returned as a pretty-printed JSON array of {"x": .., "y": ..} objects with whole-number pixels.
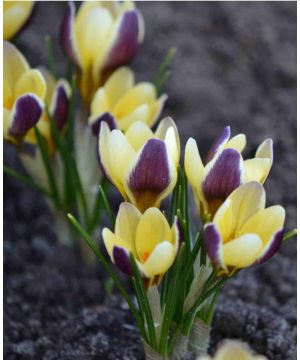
[
  {"x": 140, "y": 163},
  {"x": 15, "y": 16},
  {"x": 224, "y": 169},
  {"x": 243, "y": 232},
  {"x": 101, "y": 37},
  {"x": 120, "y": 102},
  {"x": 24, "y": 91},
  {"x": 148, "y": 237},
  {"x": 233, "y": 350}
]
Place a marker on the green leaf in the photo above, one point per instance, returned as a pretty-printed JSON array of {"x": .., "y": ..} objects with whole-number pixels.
[
  {"x": 106, "y": 205},
  {"x": 51, "y": 56},
  {"x": 163, "y": 72},
  {"x": 288, "y": 235}
]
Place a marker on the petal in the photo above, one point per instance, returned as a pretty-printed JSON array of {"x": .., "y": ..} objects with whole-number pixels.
[
  {"x": 243, "y": 251},
  {"x": 100, "y": 102},
  {"x": 31, "y": 81},
  {"x": 257, "y": 169},
  {"x": 152, "y": 176},
  {"x": 121, "y": 259},
  {"x": 271, "y": 248},
  {"x": 160, "y": 260},
  {"x": 171, "y": 142},
  {"x": 138, "y": 134},
  {"x": 221, "y": 177},
  {"x": 121, "y": 81},
  {"x": 234, "y": 350},
  {"x": 152, "y": 229},
  {"x": 141, "y": 113},
  {"x": 265, "y": 150},
  {"x": 111, "y": 240},
  {"x": 142, "y": 93},
  {"x": 193, "y": 165},
  {"x": 238, "y": 143},
  {"x": 103, "y": 151},
  {"x": 125, "y": 40},
  {"x": 156, "y": 109},
  {"x": 246, "y": 200},
  {"x": 60, "y": 102},
  {"x": 67, "y": 34},
  {"x": 225, "y": 221},
  {"x": 26, "y": 113},
  {"x": 95, "y": 122},
  {"x": 126, "y": 224},
  {"x": 218, "y": 144},
  {"x": 213, "y": 245}
]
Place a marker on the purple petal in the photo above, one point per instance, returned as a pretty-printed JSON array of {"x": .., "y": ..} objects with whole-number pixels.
[
  {"x": 108, "y": 118},
  {"x": 213, "y": 243},
  {"x": 126, "y": 43},
  {"x": 220, "y": 140},
  {"x": 272, "y": 248},
  {"x": 67, "y": 33},
  {"x": 121, "y": 259},
  {"x": 222, "y": 179},
  {"x": 27, "y": 112},
  {"x": 60, "y": 109},
  {"x": 150, "y": 176}
]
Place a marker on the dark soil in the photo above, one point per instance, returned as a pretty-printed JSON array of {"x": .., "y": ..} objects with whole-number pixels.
[{"x": 236, "y": 64}]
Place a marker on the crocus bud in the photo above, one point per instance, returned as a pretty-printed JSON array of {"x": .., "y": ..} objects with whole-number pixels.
[
  {"x": 224, "y": 169},
  {"x": 142, "y": 164},
  {"x": 243, "y": 232},
  {"x": 15, "y": 16},
  {"x": 120, "y": 102},
  {"x": 148, "y": 237},
  {"x": 23, "y": 94},
  {"x": 101, "y": 37}
]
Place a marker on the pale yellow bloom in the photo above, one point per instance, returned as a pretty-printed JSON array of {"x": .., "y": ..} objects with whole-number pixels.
[
  {"x": 142, "y": 164},
  {"x": 243, "y": 232},
  {"x": 123, "y": 102},
  {"x": 233, "y": 350},
  {"x": 148, "y": 237},
  {"x": 15, "y": 15}
]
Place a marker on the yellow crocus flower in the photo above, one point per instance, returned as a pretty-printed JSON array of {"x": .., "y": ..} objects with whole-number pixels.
[
  {"x": 120, "y": 102},
  {"x": 243, "y": 232},
  {"x": 233, "y": 350},
  {"x": 142, "y": 164},
  {"x": 148, "y": 237},
  {"x": 224, "y": 169},
  {"x": 102, "y": 36},
  {"x": 15, "y": 16}
]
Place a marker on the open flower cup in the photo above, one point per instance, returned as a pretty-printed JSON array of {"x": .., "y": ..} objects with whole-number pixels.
[{"x": 177, "y": 265}]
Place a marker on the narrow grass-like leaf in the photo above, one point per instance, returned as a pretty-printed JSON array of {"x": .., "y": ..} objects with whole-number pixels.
[
  {"x": 51, "y": 56},
  {"x": 106, "y": 205},
  {"x": 163, "y": 72},
  {"x": 288, "y": 235}
]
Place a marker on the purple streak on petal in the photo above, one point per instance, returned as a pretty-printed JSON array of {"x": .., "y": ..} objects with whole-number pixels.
[
  {"x": 220, "y": 140},
  {"x": 121, "y": 259},
  {"x": 66, "y": 34},
  {"x": 213, "y": 242},
  {"x": 224, "y": 176},
  {"x": 126, "y": 44},
  {"x": 108, "y": 118},
  {"x": 60, "y": 110},
  {"x": 150, "y": 177},
  {"x": 273, "y": 247},
  {"x": 26, "y": 114}
]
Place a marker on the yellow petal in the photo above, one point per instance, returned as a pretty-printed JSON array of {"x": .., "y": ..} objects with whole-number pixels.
[
  {"x": 152, "y": 229},
  {"x": 156, "y": 109},
  {"x": 234, "y": 350},
  {"x": 142, "y": 93},
  {"x": 141, "y": 113},
  {"x": 257, "y": 169},
  {"x": 238, "y": 143},
  {"x": 138, "y": 134},
  {"x": 31, "y": 81},
  {"x": 246, "y": 200},
  {"x": 100, "y": 103},
  {"x": 243, "y": 251},
  {"x": 15, "y": 15},
  {"x": 224, "y": 219},
  {"x": 172, "y": 145},
  {"x": 265, "y": 150},
  {"x": 160, "y": 260},
  {"x": 121, "y": 81},
  {"x": 126, "y": 224},
  {"x": 193, "y": 164},
  {"x": 265, "y": 223},
  {"x": 6, "y": 123},
  {"x": 110, "y": 240},
  {"x": 14, "y": 64}
]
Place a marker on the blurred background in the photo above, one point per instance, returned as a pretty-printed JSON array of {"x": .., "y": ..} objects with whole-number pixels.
[{"x": 235, "y": 65}]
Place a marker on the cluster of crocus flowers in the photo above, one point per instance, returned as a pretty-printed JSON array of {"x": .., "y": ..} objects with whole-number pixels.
[
  {"x": 15, "y": 16},
  {"x": 148, "y": 237},
  {"x": 142, "y": 164},
  {"x": 243, "y": 232},
  {"x": 120, "y": 102},
  {"x": 233, "y": 350},
  {"x": 101, "y": 37},
  {"x": 224, "y": 169}
]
